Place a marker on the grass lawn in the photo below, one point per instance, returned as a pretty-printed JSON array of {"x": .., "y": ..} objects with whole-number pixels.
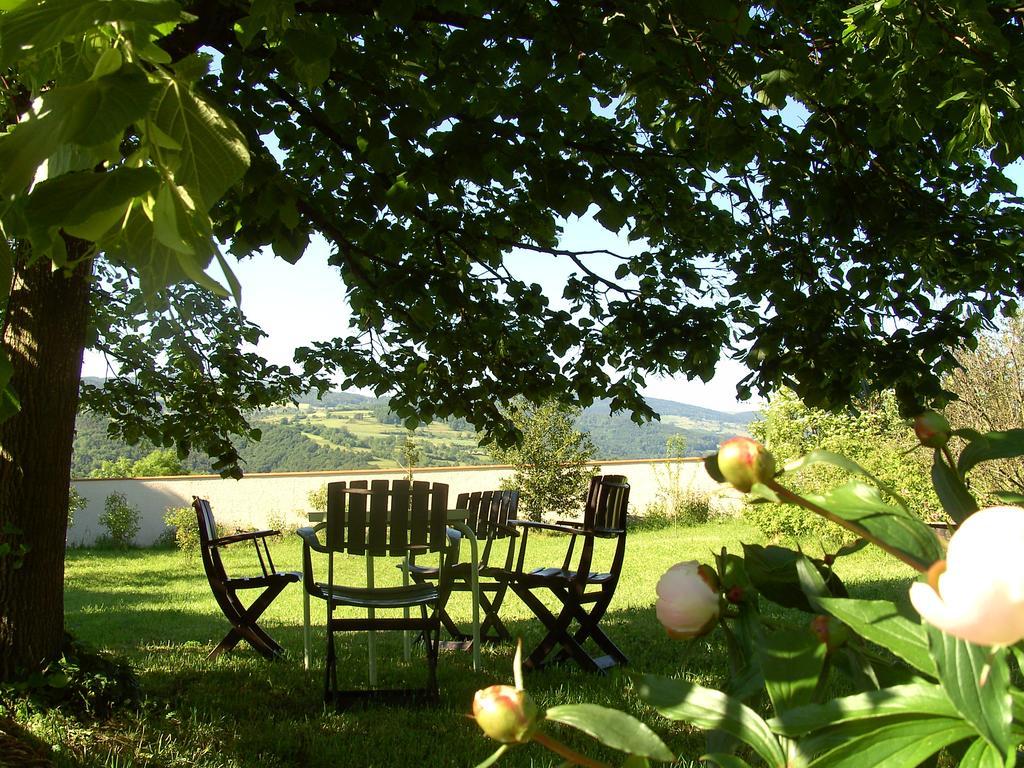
[{"x": 155, "y": 608}]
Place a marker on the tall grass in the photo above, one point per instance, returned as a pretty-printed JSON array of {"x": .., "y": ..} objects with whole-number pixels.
[{"x": 240, "y": 711}]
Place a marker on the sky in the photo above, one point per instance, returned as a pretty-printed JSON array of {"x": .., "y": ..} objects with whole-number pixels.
[{"x": 301, "y": 303}]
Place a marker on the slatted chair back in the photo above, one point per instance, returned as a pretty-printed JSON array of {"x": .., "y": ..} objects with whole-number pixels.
[
  {"x": 489, "y": 513},
  {"x": 604, "y": 515},
  {"x": 386, "y": 518}
]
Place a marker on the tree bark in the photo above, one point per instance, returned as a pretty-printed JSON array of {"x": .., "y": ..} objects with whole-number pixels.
[{"x": 44, "y": 335}]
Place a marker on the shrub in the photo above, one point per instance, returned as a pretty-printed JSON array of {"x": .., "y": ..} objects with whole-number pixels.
[
  {"x": 76, "y": 503},
  {"x": 687, "y": 507},
  {"x": 183, "y": 528},
  {"x": 318, "y": 498},
  {"x": 121, "y": 520},
  {"x": 82, "y": 682}
]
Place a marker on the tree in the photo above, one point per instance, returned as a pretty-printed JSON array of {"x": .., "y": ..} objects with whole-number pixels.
[
  {"x": 871, "y": 432},
  {"x": 849, "y": 242},
  {"x": 551, "y": 470},
  {"x": 990, "y": 396},
  {"x": 161, "y": 462}
]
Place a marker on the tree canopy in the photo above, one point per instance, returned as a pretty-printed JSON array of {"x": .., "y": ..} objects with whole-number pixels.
[{"x": 817, "y": 192}]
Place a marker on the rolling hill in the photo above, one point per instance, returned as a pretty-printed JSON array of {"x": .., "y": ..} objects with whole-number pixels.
[{"x": 344, "y": 430}]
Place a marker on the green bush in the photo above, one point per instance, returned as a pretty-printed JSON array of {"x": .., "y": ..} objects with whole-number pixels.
[
  {"x": 687, "y": 507},
  {"x": 318, "y": 498},
  {"x": 871, "y": 432},
  {"x": 183, "y": 528},
  {"x": 121, "y": 521},
  {"x": 76, "y": 503}
]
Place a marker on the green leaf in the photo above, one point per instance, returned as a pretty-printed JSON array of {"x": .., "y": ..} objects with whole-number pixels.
[
  {"x": 773, "y": 572},
  {"x": 710, "y": 709},
  {"x": 89, "y": 113},
  {"x": 1009, "y": 497},
  {"x": 977, "y": 681},
  {"x": 821, "y": 456},
  {"x": 956, "y": 500},
  {"x": 981, "y": 754},
  {"x": 862, "y": 505},
  {"x": 881, "y": 622},
  {"x": 32, "y": 28},
  {"x": 991, "y": 445},
  {"x": 213, "y": 155},
  {"x": 792, "y": 661},
  {"x": 905, "y": 743},
  {"x": 494, "y": 756},
  {"x": 74, "y": 199},
  {"x": 913, "y": 699},
  {"x": 725, "y": 760},
  {"x": 612, "y": 728}
]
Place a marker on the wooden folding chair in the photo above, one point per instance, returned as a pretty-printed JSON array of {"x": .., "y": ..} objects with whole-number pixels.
[
  {"x": 385, "y": 519},
  {"x": 489, "y": 513},
  {"x": 225, "y": 589},
  {"x": 584, "y": 595}
]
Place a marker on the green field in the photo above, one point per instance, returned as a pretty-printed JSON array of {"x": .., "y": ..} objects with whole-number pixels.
[{"x": 240, "y": 711}]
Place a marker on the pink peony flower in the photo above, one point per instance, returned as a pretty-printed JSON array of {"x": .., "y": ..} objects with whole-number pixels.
[
  {"x": 977, "y": 592},
  {"x": 688, "y": 602}
]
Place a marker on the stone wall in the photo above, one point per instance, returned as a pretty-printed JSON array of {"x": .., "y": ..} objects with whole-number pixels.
[{"x": 272, "y": 500}]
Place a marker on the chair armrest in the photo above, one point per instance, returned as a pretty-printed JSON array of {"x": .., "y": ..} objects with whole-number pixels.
[
  {"x": 236, "y": 537},
  {"x": 310, "y": 539},
  {"x": 549, "y": 527},
  {"x": 608, "y": 533},
  {"x": 571, "y": 523}
]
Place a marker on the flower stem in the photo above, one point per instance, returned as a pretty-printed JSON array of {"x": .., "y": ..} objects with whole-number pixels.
[
  {"x": 787, "y": 495},
  {"x": 571, "y": 755}
]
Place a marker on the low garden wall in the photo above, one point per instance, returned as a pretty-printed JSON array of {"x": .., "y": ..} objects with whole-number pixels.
[{"x": 282, "y": 499}]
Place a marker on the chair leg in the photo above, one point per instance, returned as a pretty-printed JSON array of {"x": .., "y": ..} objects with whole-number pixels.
[
  {"x": 491, "y": 618},
  {"x": 245, "y": 626},
  {"x": 330, "y": 669},
  {"x": 558, "y": 634}
]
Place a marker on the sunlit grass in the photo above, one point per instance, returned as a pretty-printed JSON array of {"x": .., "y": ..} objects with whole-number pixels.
[{"x": 155, "y": 608}]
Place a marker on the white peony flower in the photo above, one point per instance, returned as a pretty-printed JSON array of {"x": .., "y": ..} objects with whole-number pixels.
[
  {"x": 688, "y": 601},
  {"x": 977, "y": 592}
]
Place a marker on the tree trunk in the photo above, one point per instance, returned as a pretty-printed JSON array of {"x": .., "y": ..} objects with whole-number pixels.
[{"x": 44, "y": 335}]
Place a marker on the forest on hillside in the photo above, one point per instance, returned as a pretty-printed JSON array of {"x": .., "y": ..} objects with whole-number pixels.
[{"x": 349, "y": 431}]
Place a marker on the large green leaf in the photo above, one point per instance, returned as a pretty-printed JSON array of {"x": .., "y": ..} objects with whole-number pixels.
[
  {"x": 881, "y": 622},
  {"x": 773, "y": 572},
  {"x": 89, "y": 113},
  {"x": 792, "y": 661},
  {"x": 74, "y": 200},
  {"x": 956, "y": 500},
  {"x": 991, "y": 445},
  {"x": 725, "y": 760},
  {"x": 896, "y": 745},
  {"x": 862, "y": 504},
  {"x": 612, "y": 728},
  {"x": 33, "y": 27},
  {"x": 977, "y": 681},
  {"x": 213, "y": 153},
  {"x": 901, "y": 700},
  {"x": 981, "y": 754},
  {"x": 710, "y": 709},
  {"x": 821, "y": 456}
]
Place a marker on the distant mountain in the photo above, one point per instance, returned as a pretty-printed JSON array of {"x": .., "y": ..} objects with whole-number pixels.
[{"x": 345, "y": 430}]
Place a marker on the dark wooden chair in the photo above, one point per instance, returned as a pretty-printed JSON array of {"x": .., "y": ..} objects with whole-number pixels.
[
  {"x": 489, "y": 515},
  {"x": 385, "y": 519},
  {"x": 584, "y": 594},
  {"x": 225, "y": 589}
]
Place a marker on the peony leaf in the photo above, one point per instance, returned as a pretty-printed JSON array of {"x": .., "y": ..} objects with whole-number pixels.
[
  {"x": 902, "y": 743},
  {"x": 792, "y": 661},
  {"x": 901, "y": 700},
  {"x": 881, "y": 622},
  {"x": 612, "y": 728},
  {"x": 991, "y": 445},
  {"x": 710, "y": 709},
  {"x": 977, "y": 681},
  {"x": 956, "y": 500}
]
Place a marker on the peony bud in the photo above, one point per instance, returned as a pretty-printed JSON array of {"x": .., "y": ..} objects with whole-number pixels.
[
  {"x": 932, "y": 429},
  {"x": 830, "y": 631},
  {"x": 688, "y": 601},
  {"x": 735, "y": 595},
  {"x": 977, "y": 592},
  {"x": 506, "y": 714},
  {"x": 743, "y": 462}
]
